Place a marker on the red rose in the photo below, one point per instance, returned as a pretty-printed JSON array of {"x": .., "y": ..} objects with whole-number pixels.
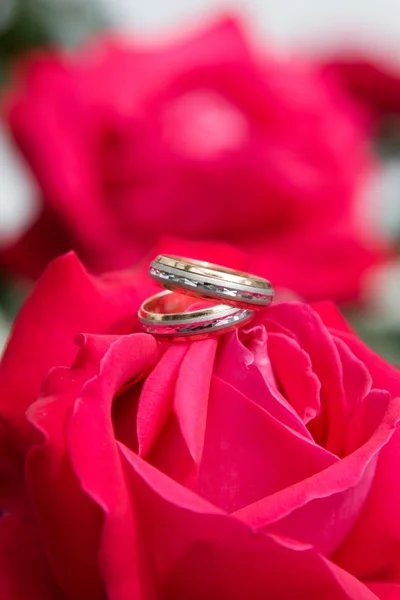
[
  {"x": 371, "y": 80},
  {"x": 260, "y": 464},
  {"x": 203, "y": 138}
]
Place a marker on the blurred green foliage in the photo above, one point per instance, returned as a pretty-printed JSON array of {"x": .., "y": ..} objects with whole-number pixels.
[
  {"x": 383, "y": 339},
  {"x": 21, "y": 30},
  {"x": 29, "y": 24},
  {"x": 26, "y": 25},
  {"x": 12, "y": 296}
]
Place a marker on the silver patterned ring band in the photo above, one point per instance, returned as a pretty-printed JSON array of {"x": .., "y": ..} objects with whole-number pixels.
[
  {"x": 168, "y": 315},
  {"x": 206, "y": 280}
]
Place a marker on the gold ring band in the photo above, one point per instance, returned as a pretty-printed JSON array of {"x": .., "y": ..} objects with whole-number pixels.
[
  {"x": 207, "y": 280},
  {"x": 167, "y": 314}
]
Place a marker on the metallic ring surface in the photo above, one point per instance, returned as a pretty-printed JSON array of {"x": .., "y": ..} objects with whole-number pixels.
[
  {"x": 168, "y": 315},
  {"x": 206, "y": 280}
]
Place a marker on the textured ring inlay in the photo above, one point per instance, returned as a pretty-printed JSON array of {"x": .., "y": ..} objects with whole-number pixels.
[
  {"x": 206, "y": 280},
  {"x": 167, "y": 315}
]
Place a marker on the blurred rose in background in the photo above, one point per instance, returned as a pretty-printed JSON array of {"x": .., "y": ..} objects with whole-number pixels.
[
  {"x": 204, "y": 133},
  {"x": 204, "y": 138}
]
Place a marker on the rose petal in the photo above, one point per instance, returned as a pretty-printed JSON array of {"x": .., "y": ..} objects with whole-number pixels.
[
  {"x": 300, "y": 321},
  {"x": 385, "y": 590},
  {"x": 13, "y": 493},
  {"x": 384, "y": 375},
  {"x": 43, "y": 334},
  {"x": 248, "y": 454},
  {"x": 191, "y": 394},
  {"x": 300, "y": 385},
  {"x": 49, "y": 239},
  {"x": 96, "y": 462},
  {"x": 366, "y": 419},
  {"x": 367, "y": 76},
  {"x": 70, "y": 520},
  {"x": 331, "y": 499},
  {"x": 235, "y": 364},
  {"x": 62, "y": 508},
  {"x": 332, "y": 317},
  {"x": 290, "y": 259},
  {"x": 357, "y": 380},
  {"x": 354, "y": 589},
  {"x": 156, "y": 398},
  {"x": 24, "y": 570},
  {"x": 194, "y": 549},
  {"x": 254, "y": 336},
  {"x": 377, "y": 530}
]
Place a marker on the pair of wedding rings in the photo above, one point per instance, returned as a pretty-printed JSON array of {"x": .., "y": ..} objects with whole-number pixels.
[{"x": 228, "y": 298}]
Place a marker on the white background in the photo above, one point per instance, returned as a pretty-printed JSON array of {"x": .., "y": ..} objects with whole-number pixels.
[{"x": 288, "y": 23}]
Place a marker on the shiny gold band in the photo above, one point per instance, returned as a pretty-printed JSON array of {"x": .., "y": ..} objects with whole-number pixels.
[
  {"x": 167, "y": 315},
  {"x": 206, "y": 269},
  {"x": 169, "y": 307}
]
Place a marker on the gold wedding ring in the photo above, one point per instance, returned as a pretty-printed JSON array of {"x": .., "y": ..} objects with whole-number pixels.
[
  {"x": 207, "y": 280},
  {"x": 228, "y": 299},
  {"x": 166, "y": 315}
]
